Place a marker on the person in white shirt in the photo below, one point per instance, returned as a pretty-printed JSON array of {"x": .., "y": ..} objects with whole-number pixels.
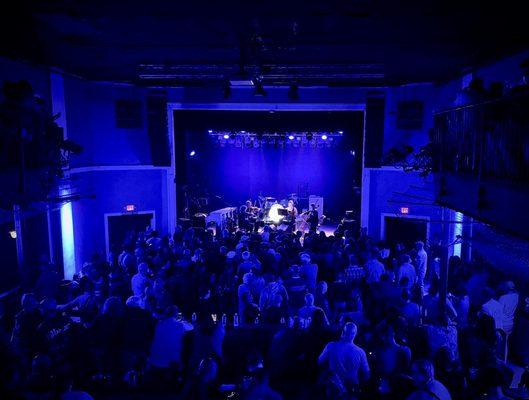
[
  {"x": 406, "y": 269},
  {"x": 493, "y": 308},
  {"x": 421, "y": 262},
  {"x": 345, "y": 359},
  {"x": 509, "y": 302},
  {"x": 141, "y": 280},
  {"x": 374, "y": 268}
]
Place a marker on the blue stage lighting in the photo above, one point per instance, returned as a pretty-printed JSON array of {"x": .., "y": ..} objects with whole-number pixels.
[{"x": 192, "y": 153}]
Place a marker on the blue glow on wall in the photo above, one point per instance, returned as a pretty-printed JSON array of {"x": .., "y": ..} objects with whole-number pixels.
[
  {"x": 458, "y": 230},
  {"x": 68, "y": 245}
]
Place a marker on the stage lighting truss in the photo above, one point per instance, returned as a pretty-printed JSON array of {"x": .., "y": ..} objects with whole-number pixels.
[{"x": 249, "y": 139}]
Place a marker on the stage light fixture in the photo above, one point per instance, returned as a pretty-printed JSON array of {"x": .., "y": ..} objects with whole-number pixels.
[
  {"x": 340, "y": 132},
  {"x": 291, "y": 137},
  {"x": 323, "y": 137},
  {"x": 226, "y": 136},
  {"x": 192, "y": 153},
  {"x": 13, "y": 234},
  {"x": 210, "y": 130},
  {"x": 353, "y": 153}
]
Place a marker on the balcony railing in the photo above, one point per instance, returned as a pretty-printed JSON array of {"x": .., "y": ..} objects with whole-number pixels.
[{"x": 489, "y": 140}]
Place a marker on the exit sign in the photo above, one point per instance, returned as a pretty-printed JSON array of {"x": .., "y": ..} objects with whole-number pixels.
[{"x": 404, "y": 210}]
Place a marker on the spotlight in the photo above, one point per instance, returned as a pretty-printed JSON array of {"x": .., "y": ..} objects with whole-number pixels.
[
  {"x": 192, "y": 153},
  {"x": 226, "y": 136},
  {"x": 210, "y": 130},
  {"x": 13, "y": 234},
  {"x": 324, "y": 137},
  {"x": 291, "y": 137},
  {"x": 353, "y": 153},
  {"x": 340, "y": 132}
]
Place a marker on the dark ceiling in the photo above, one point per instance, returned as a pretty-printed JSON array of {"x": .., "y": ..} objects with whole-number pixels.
[{"x": 329, "y": 42}]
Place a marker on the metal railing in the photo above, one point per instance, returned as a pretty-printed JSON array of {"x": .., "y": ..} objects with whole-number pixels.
[{"x": 489, "y": 140}]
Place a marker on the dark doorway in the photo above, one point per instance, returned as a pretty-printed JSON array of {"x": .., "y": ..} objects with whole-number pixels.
[
  {"x": 120, "y": 227},
  {"x": 405, "y": 230}
]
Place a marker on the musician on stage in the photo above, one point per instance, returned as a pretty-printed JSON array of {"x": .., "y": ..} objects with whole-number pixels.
[
  {"x": 292, "y": 214},
  {"x": 313, "y": 218},
  {"x": 250, "y": 216}
]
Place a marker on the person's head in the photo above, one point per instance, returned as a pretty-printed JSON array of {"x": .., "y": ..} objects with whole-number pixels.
[
  {"x": 322, "y": 287},
  {"x": 86, "y": 285},
  {"x": 419, "y": 245},
  {"x": 313, "y": 206},
  {"x": 405, "y": 259},
  {"x": 246, "y": 255},
  {"x": 309, "y": 299},
  {"x": 248, "y": 203},
  {"x": 349, "y": 332},
  {"x": 422, "y": 372},
  {"x": 112, "y": 306},
  {"x": 305, "y": 258},
  {"x": 29, "y": 302},
  {"x": 246, "y": 278},
  {"x": 143, "y": 269},
  {"x": 291, "y": 203}
]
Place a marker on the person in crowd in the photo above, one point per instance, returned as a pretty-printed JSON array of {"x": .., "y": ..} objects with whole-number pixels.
[
  {"x": 309, "y": 271},
  {"x": 141, "y": 280},
  {"x": 308, "y": 309},
  {"x": 406, "y": 270},
  {"x": 421, "y": 263},
  {"x": 509, "y": 301},
  {"x": 427, "y": 387},
  {"x": 166, "y": 347},
  {"x": 374, "y": 268},
  {"x": 353, "y": 273},
  {"x": 346, "y": 360},
  {"x": 27, "y": 321},
  {"x": 492, "y": 307}
]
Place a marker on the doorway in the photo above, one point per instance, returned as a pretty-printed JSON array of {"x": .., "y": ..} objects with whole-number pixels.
[
  {"x": 405, "y": 230},
  {"x": 119, "y": 226}
]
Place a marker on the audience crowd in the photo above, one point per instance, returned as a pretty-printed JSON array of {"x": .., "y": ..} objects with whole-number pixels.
[{"x": 265, "y": 315}]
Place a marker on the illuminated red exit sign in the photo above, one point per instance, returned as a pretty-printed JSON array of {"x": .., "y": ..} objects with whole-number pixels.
[
  {"x": 130, "y": 208},
  {"x": 404, "y": 210}
]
